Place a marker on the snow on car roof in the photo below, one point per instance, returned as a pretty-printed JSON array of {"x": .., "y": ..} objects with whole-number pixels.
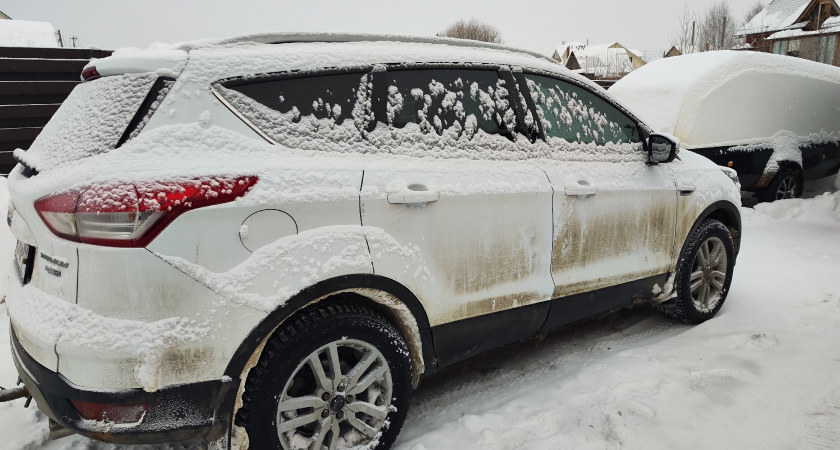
[
  {"x": 212, "y": 60},
  {"x": 258, "y": 54},
  {"x": 731, "y": 97},
  {"x": 290, "y": 38}
]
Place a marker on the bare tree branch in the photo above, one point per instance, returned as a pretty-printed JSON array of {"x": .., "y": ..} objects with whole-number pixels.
[
  {"x": 473, "y": 29},
  {"x": 684, "y": 39}
]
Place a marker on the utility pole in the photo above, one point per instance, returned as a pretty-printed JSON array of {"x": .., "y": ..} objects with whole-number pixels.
[
  {"x": 693, "y": 23},
  {"x": 723, "y": 35},
  {"x": 59, "y": 39},
  {"x": 74, "y": 39}
]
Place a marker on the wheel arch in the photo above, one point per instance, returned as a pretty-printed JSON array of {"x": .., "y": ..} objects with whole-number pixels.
[
  {"x": 386, "y": 296},
  {"x": 725, "y": 212},
  {"x": 769, "y": 176}
]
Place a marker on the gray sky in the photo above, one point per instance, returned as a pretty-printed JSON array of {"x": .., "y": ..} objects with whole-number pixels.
[{"x": 537, "y": 25}]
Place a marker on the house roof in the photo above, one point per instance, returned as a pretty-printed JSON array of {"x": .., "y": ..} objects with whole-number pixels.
[
  {"x": 778, "y": 15},
  {"x": 830, "y": 26},
  {"x": 604, "y": 59},
  {"x": 561, "y": 50},
  {"x": 22, "y": 33}
]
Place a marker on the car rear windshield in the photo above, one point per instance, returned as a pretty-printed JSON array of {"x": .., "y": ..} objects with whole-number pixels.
[{"x": 94, "y": 119}]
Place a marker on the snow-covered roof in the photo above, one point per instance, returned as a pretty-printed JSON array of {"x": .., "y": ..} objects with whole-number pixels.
[
  {"x": 605, "y": 59},
  {"x": 298, "y": 37},
  {"x": 248, "y": 55},
  {"x": 831, "y": 25},
  {"x": 561, "y": 50},
  {"x": 722, "y": 98},
  {"x": 22, "y": 33},
  {"x": 778, "y": 15}
]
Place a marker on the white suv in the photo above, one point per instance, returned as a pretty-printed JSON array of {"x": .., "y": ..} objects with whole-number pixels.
[{"x": 279, "y": 235}]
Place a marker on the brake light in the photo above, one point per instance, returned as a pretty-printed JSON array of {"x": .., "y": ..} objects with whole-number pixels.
[
  {"x": 90, "y": 74},
  {"x": 104, "y": 412},
  {"x": 132, "y": 214}
]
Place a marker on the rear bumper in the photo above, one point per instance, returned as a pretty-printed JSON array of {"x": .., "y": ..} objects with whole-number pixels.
[{"x": 175, "y": 413}]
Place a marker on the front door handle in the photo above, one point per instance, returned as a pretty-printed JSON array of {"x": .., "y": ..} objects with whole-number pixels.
[
  {"x": 580, "y": 188},
  {"x": 414, "y": 196}
]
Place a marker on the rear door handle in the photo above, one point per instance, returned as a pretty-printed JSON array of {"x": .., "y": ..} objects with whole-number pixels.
[{"x": 409, "y": 197}]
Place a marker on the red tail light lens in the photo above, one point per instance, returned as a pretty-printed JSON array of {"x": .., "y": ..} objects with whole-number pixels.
[
  {"x": 90, "y": 74},
  {"x": 132, "y": 215},
  {"x": 104, "y": 412}
]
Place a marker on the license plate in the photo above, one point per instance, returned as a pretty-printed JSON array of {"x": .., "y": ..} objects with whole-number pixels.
[{"x": 24, "y": 255}]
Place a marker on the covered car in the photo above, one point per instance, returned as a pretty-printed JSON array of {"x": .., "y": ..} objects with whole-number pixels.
[{"x": 774, "y": 119}]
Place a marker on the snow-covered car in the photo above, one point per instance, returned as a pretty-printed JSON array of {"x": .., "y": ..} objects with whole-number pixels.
[
  {"x": 277, "y": 236},
  {"x": 774, "y": 119}
]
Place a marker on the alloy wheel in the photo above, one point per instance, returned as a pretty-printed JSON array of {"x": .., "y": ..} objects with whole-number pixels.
[
  {"x": 339, "y": 394},
  {"x": 787, "y": 189},
  {"x": 708, "y": 275}
]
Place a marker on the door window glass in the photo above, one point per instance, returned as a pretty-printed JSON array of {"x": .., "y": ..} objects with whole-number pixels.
[
  {"x": 575, "y": 114},
  {"x": 455, "y": 102}
]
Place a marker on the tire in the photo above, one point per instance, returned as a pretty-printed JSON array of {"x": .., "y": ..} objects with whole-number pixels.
[
  {"x": 703, "y": 267},
  {"x": 785, "y": 185},
  {"x": 353, "y": 409}
]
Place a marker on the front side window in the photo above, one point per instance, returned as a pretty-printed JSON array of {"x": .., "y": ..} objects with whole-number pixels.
[
  {"x": 453, "y": 102},
  {"x": 573, "y": 113}
]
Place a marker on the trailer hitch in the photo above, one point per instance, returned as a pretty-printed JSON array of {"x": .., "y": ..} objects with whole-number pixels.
[{"x": 7, "y": 395}]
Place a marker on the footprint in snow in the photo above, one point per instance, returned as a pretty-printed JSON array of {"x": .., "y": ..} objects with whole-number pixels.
[{"x": 822, "y": 432}]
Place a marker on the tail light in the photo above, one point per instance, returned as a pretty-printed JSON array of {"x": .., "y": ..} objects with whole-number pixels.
[
  {"x": 90, "y": 74},
  {"x": 132, "y": 215}
]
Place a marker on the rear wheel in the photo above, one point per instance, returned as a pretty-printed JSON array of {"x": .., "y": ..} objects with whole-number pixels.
[
  {"x": 704, "y": 273},
  {"x": 785, "y": 185},
  {"x": 335, "y": 376}
]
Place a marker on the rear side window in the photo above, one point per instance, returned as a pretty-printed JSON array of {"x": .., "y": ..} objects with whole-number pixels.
[
  {"x": 454, "y": 102},
  {"x": 573, "y": 113},
  {"x": 321, "y": 97},
  {"x": 334, "y": 106}
]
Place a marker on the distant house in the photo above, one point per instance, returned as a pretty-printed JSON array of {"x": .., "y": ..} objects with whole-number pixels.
[
  {"x": 610, "y": 61},
  {"x": 672, "y": 52},
  {"x": 804, "y": 28}
]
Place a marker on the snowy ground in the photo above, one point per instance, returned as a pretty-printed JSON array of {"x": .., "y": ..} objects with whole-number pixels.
[{"x": 762, "y": 374}]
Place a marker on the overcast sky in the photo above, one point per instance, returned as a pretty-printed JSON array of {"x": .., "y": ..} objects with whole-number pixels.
[{"x": 541, "y": 26}]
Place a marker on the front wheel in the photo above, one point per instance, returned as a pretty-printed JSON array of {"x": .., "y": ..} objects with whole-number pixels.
[
  {"x": 704, "y": 273},
  {"x": 335, "y": 376}
]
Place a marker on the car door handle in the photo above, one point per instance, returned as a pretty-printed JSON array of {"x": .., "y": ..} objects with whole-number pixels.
[
  {"x": 580, "y": 189},
  {"x": 686, "y": 187},
  {"x": 409, "y": 197}
]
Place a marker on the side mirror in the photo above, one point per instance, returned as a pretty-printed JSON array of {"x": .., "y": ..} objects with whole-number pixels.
[{"x": 662, "y": 148}]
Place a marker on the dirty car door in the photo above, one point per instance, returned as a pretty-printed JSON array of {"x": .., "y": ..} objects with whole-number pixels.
[
  {"x": 614, "y": 215},
  {"x": 470, "y": 236}
]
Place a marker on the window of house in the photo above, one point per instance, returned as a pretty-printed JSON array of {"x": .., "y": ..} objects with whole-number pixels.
[
  {"x": 459, "y": 102},
  {"x": 825, "y": 53},
  {"x": 575, "y": 114}
]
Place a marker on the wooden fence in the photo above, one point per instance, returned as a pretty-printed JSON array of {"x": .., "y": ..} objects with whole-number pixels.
[{"x": 33, "y": 84}]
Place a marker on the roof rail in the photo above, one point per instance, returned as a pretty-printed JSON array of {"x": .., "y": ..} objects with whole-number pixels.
[{"x": 290, "y": 38}]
